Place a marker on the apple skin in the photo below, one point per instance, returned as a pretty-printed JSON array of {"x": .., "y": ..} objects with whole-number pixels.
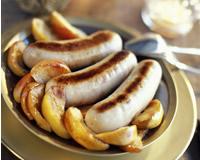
[
  {"x": 15, "y": 59},
  {"x": 24, "y": 97},
  {"x": 34, "y": 101},
  {"x": 21, "y": 84}
]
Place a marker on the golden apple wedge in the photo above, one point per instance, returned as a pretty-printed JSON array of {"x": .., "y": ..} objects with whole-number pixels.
[
  {"x": 122, "y": 136},
  {"x": 34, "y": 101},
  {"x": 151, "y": 117},
  {"x": 53, "y": 108},
  {"x": 63, "y": 28},
  {"x": 21, "y": 84},
  {"x": 15, "y": 60},
  {"x": 24, "y": 97},
  {"x": 47, "y": 69},
  {"x": 75, "y": 125},
  {"x": 135, "y": 147},
  {"x": 40, "y": 30}
]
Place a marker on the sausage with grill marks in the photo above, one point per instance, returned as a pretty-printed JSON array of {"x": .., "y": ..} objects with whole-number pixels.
[
  {"x": 89, "y": 85},
  {"x": 75, "y": 53},
  {"x": 128, "y": 100}
]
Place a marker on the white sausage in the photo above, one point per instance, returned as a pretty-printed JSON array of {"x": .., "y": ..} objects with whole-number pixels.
[
  {"x": 93, "y": 83},
  {"x": 128, "y": 100},
  {"x": 75, "y": 53}
]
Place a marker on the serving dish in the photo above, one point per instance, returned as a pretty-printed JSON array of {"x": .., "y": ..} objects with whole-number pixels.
[{"x": 167, "y": 92}]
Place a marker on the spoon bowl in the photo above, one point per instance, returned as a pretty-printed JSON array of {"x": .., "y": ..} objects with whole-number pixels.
[{"x": 149, "y": 43}]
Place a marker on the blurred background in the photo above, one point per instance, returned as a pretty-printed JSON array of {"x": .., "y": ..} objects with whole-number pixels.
[{"x": 177, "y": 20}]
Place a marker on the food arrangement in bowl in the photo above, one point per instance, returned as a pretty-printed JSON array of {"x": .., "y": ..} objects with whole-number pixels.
[{"x": 85, "y": 87}]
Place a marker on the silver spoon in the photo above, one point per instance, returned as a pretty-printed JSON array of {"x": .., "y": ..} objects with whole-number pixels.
[{"x": 153, "y": 45}]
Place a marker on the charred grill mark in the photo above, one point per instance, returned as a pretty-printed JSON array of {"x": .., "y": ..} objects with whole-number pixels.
[
  {"x": 133, "y": 87},
  {"x": 120, "y": 98},
  {"x": 95, "y": 71},
  {"x": 82, "y": 44},
  {"x": 144, "y": 70}
]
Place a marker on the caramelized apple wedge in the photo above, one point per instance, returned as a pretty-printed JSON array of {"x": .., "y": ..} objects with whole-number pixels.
[
  {"x": 41, "y": 31},
  {"x": 53, "y": 108},
  {"x": 24, "y": 97},
  {"x": 34, "y": 101},
  {"x": 122, "y": 136},
  {"x": 63, "y": 28},
  {"x": 135, "y": 147},
  {"x": 15, "y": 60},
  {"x": 21, "y": 84},
  {"x": 47, "y": 69},
  {"x": 75, "y": 125},
  {"x": 151, "y": 117}
]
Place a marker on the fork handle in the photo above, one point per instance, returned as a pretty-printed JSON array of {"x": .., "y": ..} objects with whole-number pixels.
[
  {"x": 185, "y": 67},
  {"x": 186, "y": 51}
]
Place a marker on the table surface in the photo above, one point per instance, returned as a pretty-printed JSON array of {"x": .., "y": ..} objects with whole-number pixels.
[{"x": 125, "y": 12}]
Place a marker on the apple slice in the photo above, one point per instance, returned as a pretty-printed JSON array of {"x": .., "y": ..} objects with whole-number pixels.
[
  {"x": 21, "y": 84},
  {"x": 122, "y": 136},
  {"x": 24, "y": 97},
  {"x": 53, "y": 108},
  {"x": 15, "y": 60},
  {"x": 41, "y": 31},
  {"x": 34, "y": 101},
  {"x": 135, "y": 147},
  {"x": 63, "y": 28},
  {"x": 151, "y": 117},
  {"x": 47, "y": 69},
  {"x": 75, "y": 125}
]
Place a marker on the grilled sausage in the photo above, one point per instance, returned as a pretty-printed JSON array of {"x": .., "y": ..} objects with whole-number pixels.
[
  {"x": 128, "y": 100},
  {"x": 75, "y": 53},
  {"x": 93, "y": 83}
]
